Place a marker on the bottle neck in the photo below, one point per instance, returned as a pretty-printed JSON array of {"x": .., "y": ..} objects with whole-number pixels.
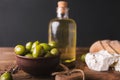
[{"x": 62, "y": 13}]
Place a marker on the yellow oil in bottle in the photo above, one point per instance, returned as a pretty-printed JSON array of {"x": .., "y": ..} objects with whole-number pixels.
[{"x": 63, "y": 31}]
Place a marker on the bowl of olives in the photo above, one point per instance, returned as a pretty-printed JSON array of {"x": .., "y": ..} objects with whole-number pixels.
[{"x": 37, "y": 58}]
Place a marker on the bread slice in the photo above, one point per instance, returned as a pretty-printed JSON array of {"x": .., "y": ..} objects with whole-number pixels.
[
  {"x": 96, "y": 46},
  {"x": 115, "y": 45},
  {"x": 107, "y": 47}
]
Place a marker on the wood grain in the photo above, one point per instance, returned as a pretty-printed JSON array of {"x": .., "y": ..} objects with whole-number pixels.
[{"x": 7, "y": 60}]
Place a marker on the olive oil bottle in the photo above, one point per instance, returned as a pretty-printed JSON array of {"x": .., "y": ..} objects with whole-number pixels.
[{"x": 63, "y": 31}]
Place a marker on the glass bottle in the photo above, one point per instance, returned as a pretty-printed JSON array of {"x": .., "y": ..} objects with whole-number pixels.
[{"x": 63, "y": 31}]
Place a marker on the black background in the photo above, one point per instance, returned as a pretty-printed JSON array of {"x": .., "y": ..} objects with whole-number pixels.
[{"x": 27, "y": 20}]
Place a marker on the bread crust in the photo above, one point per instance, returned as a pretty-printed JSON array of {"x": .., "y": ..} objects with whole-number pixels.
[
  {"x": 95, "y": 47},
  {"x": 112, "y": 46},
  {"x": 115, "y": 45},
  {"x": 107, "y": 47}
]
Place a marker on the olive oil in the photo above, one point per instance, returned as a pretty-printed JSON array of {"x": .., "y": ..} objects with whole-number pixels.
[{"x": 63, "y": 31}]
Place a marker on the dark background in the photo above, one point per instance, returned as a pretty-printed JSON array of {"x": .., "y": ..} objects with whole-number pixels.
[{"x": 27, "y": 20}]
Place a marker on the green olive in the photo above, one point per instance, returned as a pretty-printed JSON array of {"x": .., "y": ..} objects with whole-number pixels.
[
  {"x": 29, "y": 55},
  {"x": 34, "y": 45},
  {"x": 37, "y": 51},
  {"x": 53, "y": 44},
  {"x": 54, "y": 51},
  {"x": 19, "y": 50},
  {"x": 28, "y": 45},
  {"x": 6, "y": 76},
  {"x": 83, "y": 57},
  {"x": 48, "y": 54},
  {"x": 45, "y": 46}
]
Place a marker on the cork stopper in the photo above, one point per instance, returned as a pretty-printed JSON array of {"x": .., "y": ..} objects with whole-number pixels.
[{"x": 62, "y": 4}]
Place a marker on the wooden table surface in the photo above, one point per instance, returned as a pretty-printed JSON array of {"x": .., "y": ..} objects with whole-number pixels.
[{"x": 7, "y": 60}]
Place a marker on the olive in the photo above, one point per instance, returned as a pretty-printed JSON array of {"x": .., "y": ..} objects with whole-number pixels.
[
  {"x": 6, "y": 76},
  {"x": 34, "y": 45},
  {"x": 54, "y": 51},
  {"x": 48, "y": 54},
  {"x": 37, "y": 51},
  {"x": 83, "y": 57},
  {"x": 53, "y": 44},
  {"x": 19, "y": 49},
  {"x": 28, "y": 45},
  {"x": 29, "y": 55},
  {"x": 45, "y": 46}
]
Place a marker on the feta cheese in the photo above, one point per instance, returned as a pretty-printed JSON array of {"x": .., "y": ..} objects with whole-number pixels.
[
  {"x": 101, "y": 61},
  {"x": 117, "y": 65}
]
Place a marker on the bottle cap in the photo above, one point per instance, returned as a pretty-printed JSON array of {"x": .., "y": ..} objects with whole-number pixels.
[{"x": 62, "y": 4}]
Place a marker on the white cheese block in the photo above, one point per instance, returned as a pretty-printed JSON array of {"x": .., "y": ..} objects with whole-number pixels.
[{"x": 101, "y": 61}]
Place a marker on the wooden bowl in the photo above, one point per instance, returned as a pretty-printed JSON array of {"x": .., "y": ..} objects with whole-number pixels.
[{"x": 38, "y": 66}]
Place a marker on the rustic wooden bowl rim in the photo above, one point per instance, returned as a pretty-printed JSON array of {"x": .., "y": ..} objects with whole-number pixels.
[{"x": 23, "y": 57}]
